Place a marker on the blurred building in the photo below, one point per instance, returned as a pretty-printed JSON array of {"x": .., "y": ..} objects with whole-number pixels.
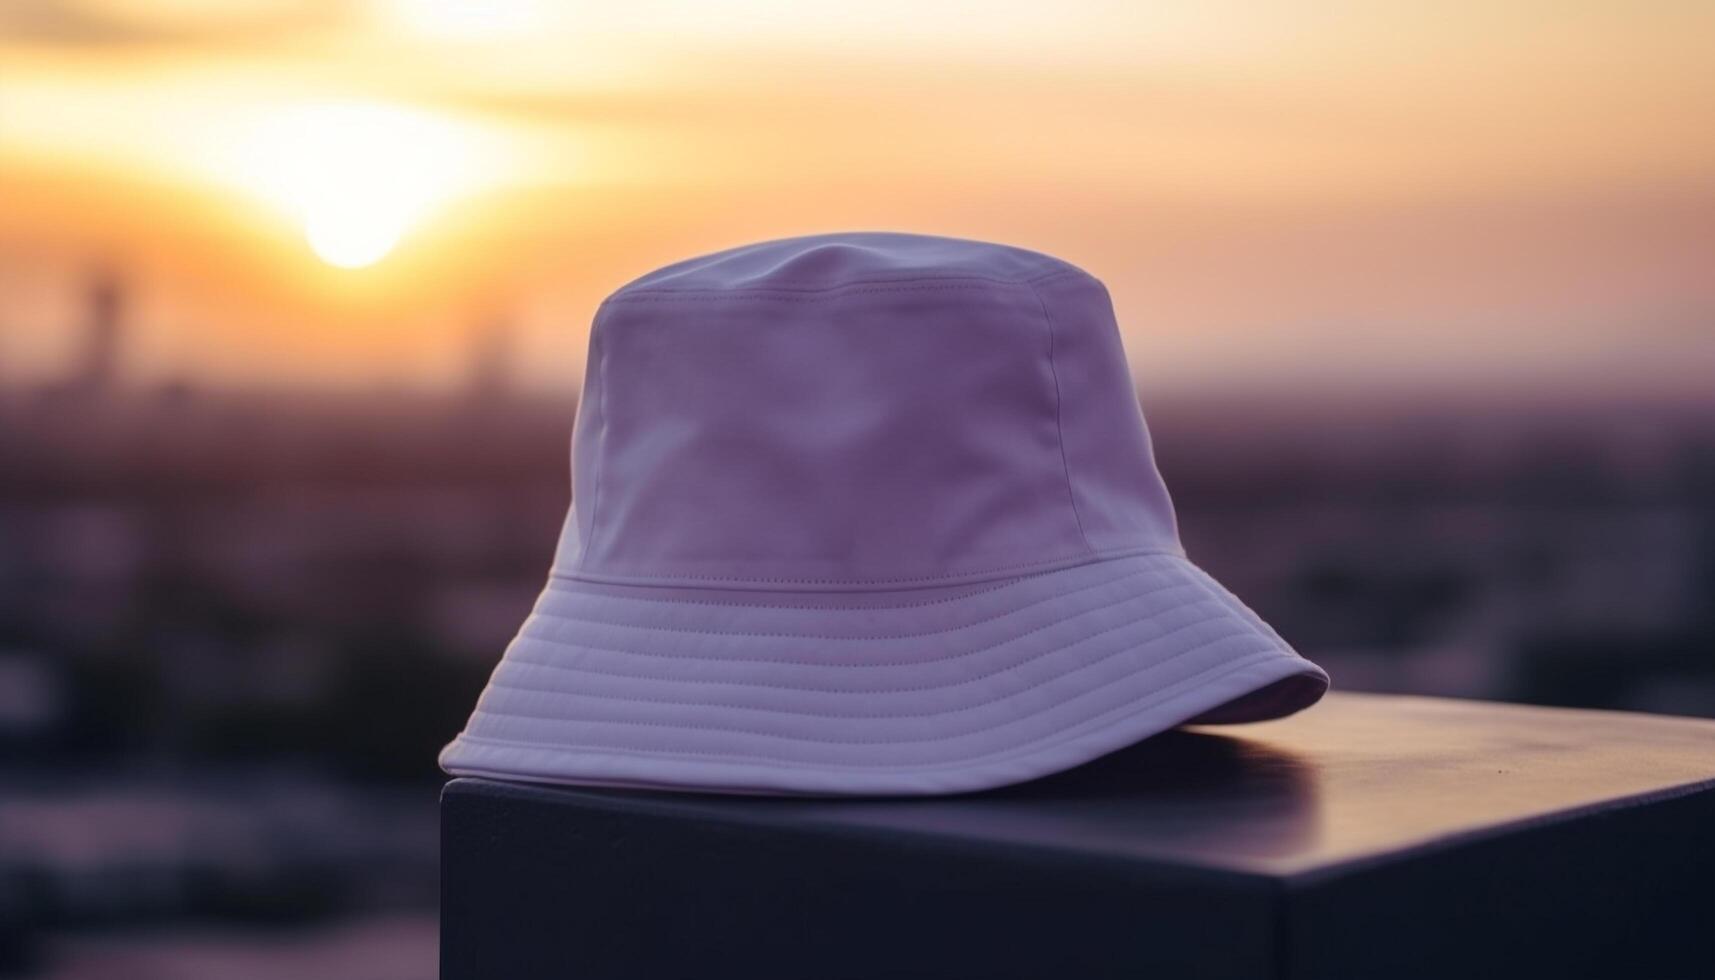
[{"x": 204, "y": 594}]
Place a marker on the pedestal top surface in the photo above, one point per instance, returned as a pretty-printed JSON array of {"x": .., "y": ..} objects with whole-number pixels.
[{"x": 1357, "y": 777}]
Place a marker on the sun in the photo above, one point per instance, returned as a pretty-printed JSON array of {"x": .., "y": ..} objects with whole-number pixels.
[{"x": 357, "y": 177}]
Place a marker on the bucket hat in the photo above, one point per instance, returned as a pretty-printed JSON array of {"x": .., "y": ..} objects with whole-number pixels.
[{"x": 864, "y": 514}]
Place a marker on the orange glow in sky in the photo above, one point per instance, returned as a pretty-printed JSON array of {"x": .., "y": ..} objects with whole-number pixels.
[
  {"x": 335, "y": 192},
  {"x": 357, "y": 176}
]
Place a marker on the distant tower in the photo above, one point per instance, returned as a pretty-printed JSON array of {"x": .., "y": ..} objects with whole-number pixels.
[
  {"x": 491, "y": 363},
  {"x": 97, "y": 368}
]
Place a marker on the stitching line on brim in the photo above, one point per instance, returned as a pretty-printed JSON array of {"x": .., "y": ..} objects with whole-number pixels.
[
  {"x": 945, "y": 737},
  {"x": 856, "y": 717},
  {"x": 847, "y": 666},
  {"x": 1071, "y": 734},
  {"x": 800, "y": 688}
]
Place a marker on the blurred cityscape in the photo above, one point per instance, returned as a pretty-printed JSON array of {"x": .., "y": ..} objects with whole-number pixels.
[{"x": 236, "y": 627}]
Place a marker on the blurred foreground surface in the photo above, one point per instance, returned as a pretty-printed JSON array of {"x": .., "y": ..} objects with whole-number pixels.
[{"x": 379, "y": 948}]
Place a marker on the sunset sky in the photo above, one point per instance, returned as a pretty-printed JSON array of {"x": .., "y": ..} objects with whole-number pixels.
[{"x": 1489, "y": 194}]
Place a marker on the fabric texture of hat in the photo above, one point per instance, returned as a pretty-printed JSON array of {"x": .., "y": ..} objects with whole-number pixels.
[{"x": 864, "y": 514}]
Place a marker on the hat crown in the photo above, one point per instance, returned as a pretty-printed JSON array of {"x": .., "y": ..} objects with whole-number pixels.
[{"x": 858, "y": 410}]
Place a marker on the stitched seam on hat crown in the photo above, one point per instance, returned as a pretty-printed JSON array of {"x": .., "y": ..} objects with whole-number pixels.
[
  {"x": 588, "y": 544},
  {"x": 967, "y": 281},
  {"x": 791, "y": 295},
  {"x": 1059, "y": 425},
  {"x": 1077, "y": 590},
  {"x": 554, "y": 586},
  {"x": 670, "y": 579}
]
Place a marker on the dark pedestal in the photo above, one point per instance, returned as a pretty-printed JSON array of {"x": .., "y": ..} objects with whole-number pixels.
[{"x": 1372, "y": 837}]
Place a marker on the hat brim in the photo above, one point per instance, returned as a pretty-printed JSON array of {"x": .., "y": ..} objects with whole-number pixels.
[{"x": 906, "y": 692}]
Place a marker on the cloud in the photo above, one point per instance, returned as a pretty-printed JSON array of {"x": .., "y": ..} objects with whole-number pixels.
[{"x": 126, "y": 23}]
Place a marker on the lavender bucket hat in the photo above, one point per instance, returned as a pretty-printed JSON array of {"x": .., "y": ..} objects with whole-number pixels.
[{"x": 864, "y": 514}]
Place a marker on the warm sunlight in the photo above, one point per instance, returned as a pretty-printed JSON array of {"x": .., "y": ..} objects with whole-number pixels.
[
  {"x": 356, "y": 176},
  {"x": 1392, "y": 180},
  {"x": 468, "y": 19}
]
